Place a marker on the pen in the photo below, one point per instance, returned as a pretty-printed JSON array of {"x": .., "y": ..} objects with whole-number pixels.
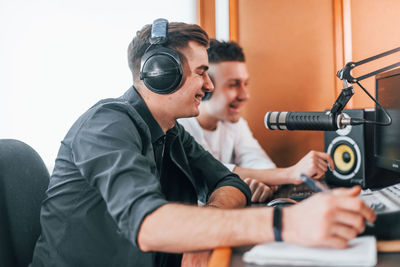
[
  {"x": 314, "y": 185},
  {"x": 317, "y": 186}
]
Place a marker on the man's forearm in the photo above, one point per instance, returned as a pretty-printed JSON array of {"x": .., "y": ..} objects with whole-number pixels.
[
  {"x": 275, "y": 176},
  {"x": 314, "y": 164},
  {"x": 181, "y": 228},
  {"x": 332, "y": 220},
  {"x": 227, "y": 197}
]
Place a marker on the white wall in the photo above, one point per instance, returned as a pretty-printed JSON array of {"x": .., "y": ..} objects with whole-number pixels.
[
  {"x": 57, "y": 58},
  {"x": 222, "y": 20}
]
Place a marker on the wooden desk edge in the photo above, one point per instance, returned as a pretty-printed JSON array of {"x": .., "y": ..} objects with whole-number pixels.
[{"x": 220, "y": 257}]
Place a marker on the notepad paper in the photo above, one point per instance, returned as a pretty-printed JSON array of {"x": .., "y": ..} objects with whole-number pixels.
[{"x": 361, "y": 251}]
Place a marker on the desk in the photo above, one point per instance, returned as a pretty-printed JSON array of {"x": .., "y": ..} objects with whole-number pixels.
[{"x": 384, "y": 259}]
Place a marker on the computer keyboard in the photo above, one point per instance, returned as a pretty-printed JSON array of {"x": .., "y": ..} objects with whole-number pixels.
[
  {"x": 295, "y": 192},
  {"x": 386, "y": 204},
  {"x": 384, "y": 200}
]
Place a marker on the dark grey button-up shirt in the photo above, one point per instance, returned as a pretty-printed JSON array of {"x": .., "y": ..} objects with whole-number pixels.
[{"x": 107, "y": 179}]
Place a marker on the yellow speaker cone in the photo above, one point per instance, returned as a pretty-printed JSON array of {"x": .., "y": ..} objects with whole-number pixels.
[{"x": 344, "y": 158}]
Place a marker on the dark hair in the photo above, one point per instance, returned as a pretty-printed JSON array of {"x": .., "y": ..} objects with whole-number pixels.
[
  {"x": 179, "y": 34},
  {"x": 224, "y": 51}
]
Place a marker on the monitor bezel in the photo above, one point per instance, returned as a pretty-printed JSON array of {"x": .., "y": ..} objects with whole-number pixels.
[{"x": 381, "y": 161}]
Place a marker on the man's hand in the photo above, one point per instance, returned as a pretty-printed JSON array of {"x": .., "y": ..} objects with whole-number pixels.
[
  {"x": 259, "y": 191},
  {"x": 196, "y": 259},
  {"x": 327, "y": 219},
  {"x": 314, "y": 164}
]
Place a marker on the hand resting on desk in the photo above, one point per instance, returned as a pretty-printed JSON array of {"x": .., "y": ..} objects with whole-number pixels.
[{"x": 260, "y": 192}]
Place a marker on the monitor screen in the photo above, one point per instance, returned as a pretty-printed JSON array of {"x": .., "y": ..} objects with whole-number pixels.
[{"x": 387, "y": 138}]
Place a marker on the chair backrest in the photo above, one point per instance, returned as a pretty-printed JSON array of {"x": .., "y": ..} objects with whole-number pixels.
[{"x": 23, "y": 181}]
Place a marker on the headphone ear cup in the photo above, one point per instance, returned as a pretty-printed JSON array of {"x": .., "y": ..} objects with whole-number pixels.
[
  {"x": 208, "y": 95},
  {"x": 161, "y": 70}
]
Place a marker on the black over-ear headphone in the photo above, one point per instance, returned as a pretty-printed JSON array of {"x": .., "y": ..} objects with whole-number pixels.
[
  {"x": 160, "y": 67},
  {"x": 207, "y": 95}
]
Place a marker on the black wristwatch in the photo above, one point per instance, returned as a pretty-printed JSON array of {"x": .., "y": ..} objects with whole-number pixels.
[{"x": 278, "y": 223}]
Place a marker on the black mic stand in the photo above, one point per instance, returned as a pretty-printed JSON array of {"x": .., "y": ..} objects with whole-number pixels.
[
  {"x": 342, "y": 100},
  {"x": 344, "y": 97},
  {"x": 339, "y": 105},
  {"x": 344, "y": 74}
]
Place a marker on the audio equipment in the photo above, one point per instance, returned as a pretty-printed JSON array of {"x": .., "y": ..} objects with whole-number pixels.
[
  {"x": 352, "y": 150},
  {"x": 311, "y": 121},
  {"x": 160, "y": 67},
  {"x": 349, "y": 148},
  {"x": 386, "y": 204},
  {"x": 207, "y": 95}
]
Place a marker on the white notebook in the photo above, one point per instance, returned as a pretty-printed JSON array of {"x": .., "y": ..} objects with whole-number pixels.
[{"x": 360, "y": 252}]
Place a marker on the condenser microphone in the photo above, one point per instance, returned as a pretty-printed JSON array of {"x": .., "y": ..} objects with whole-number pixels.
[{"x": 307, "y": 121}]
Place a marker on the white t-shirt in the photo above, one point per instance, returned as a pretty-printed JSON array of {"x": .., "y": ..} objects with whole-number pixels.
[{"x": 231, "y": 143}]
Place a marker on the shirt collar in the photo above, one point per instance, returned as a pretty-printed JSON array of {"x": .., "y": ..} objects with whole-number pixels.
[{"x": 136, "y": 100}]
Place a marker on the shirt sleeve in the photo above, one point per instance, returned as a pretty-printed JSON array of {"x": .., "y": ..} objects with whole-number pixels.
[
  {"x": 248, "y": 152},
  {"x": 204, "y": 166},
  {"x": 230, "y": 166},
  {"x": 109, "y": 151}
]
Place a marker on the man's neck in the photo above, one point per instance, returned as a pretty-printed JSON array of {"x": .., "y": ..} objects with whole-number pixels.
[
  {"x": 163, "y": 120},
  {"x": 158, "y": 114},
  {"x": 207, "y": 121}
]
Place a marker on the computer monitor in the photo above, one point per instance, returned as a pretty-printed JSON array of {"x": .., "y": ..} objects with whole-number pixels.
[{"x": 387, "y": 138}]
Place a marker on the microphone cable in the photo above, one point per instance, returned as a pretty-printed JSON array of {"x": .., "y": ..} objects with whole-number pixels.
[{"x": 381, "y": 123}]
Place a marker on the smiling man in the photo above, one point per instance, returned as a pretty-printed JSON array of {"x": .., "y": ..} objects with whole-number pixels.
[
  {"x": 222, "y": 131},
  {"x": 127, "y": 178}
]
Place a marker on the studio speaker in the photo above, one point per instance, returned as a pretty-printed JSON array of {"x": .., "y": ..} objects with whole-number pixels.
[{"x": 352, "y": 151}]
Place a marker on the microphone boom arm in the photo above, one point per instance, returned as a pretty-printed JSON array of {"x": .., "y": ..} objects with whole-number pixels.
[
  {"x": 345, "y": 76},
  {"x": 334, "y": 119}
]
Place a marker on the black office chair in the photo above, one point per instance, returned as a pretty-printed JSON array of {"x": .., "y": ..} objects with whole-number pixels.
[{"x": 23, "y": 182}]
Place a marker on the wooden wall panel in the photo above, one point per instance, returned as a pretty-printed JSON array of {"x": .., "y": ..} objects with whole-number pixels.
[
  {"x": 375, "y": 29},
  {"x": 233, "y": 20},
  {"x": 294, "y": 49},
  {"x": 339, "y": 45},
  {"x": 289, "y": 48},
  {"x": 206, "y": 16}
]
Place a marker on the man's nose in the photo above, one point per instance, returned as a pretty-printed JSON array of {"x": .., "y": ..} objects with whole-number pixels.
[
  {"x": 243, "y": 93},
  {"x": 208, "y": 85}
]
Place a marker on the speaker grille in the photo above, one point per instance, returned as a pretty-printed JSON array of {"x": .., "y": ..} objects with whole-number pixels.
[{"x": 347, "y": 157}]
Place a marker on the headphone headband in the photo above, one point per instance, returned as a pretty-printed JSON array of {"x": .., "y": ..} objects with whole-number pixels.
[{"x": 159, "y": 31}]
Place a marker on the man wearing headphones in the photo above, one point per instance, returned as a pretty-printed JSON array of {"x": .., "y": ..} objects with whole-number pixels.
[
  {"x": 127, "y": 177},
  {"x": 220, "y": 129}
]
